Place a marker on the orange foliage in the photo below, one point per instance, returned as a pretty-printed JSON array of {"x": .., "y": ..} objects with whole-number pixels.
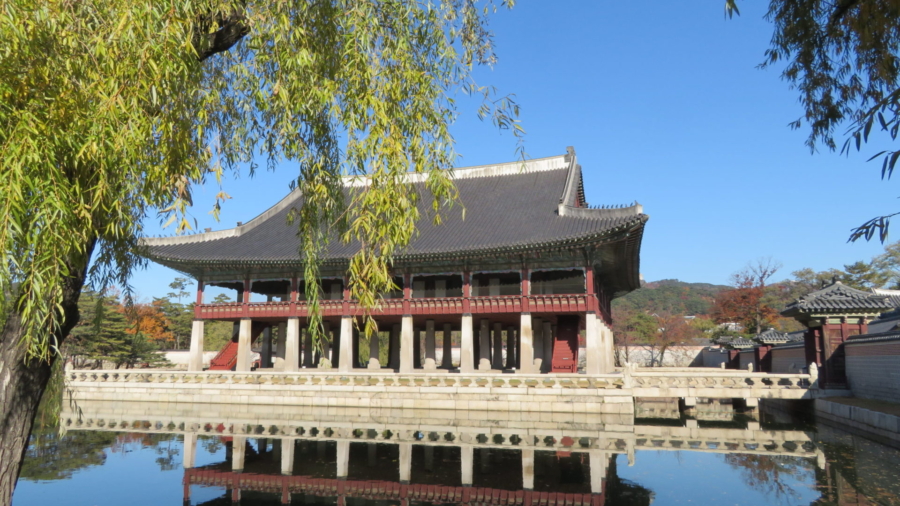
[{"x": 149, "y": 320}]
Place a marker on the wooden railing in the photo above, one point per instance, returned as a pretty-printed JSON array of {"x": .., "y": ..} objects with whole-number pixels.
[{"x": 570, "y": 303}]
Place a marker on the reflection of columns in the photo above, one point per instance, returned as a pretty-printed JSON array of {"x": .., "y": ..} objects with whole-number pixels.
[
  {"x": 599, "y": 461},
  {"x": 307, "y": 348},
  {"x": 374, "y": 350},
  {"x": 345, "y": 354},
  {"x": 528, "y": 469},
  {"x": 430, "y": 362},
  {"x": 548, "y": 347},
  {"x": 510, "y": 347},
  {"x": 447, "y": 359},
  {"x": 290, "y": 343},
  {"x": 287, "y": 456},
  {"x": 405, "y": 461},
  {"x": 429, "y": 458},
  {"x": 394, "y": 347},
  {"x": 343, "y": 458},
  {"x": 243, "y": 354},
  {"x": 538, "y": 332},
  {"x": 238, "y": 450},
  {"x": 406, "y": 344},
  {"x": 484, "y": 346},
  {"x": 497, "y": 362},
  {"x": 466, "y": 344},
  {"x": 195, "y": 361},
  {"x": 593, "y": 344},
  {"x": 466, "y": 458},
  {"x": 526, "y": 349},
  {"x": 190, "y": 449}
]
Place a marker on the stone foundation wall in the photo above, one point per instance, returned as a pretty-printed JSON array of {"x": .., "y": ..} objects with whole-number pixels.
[{"x": 873, "y": 368}]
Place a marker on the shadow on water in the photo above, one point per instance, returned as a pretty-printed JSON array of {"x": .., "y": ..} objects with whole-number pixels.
[{"x": 170, "y": 455}]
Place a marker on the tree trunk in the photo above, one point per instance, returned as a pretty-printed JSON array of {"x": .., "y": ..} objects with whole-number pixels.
[{"x": 23, "y": 380}]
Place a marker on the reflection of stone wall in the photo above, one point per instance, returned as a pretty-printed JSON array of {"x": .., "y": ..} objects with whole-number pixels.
[
  {"x": 784, "y": 357},
  {"x": 868, "y": 470},
  {"x": 873, "y": 368}
]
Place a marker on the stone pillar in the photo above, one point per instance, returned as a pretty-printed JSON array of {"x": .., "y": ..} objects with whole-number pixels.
[
  {"x": 328, "y": 345},
  {"x": 243, "y": 354},
  {"x": 190, "y": 449},
  {"x": 599, "y": 463},
  {"x": 526, "y": 349},
  {"x": 282, "y": 343},
  {"x": 345, "y": 354},
  {"x": 406, "y": 344},
  {"x": 374, "y": 350},
  {"x": 497, "y": 362},
  {"x": 538, "y": 332},
  {"x": 467, "y": 460},
  {"x": 195, "y": 360},
  {"x": 548, "y": 347},
  {"x": 395, "y": 346},
  {"x": 510, "y": 347},
  {"x": 466, "y": 345},
  {"x": 343, "y": 455},
  {"x": 447, "y": 359},
  {"x": 405, "y": 462},
  {"x": 287, "y": 456},
  {"x": 355, "y": 347},
  {"x": 238, "y": 450},
  {"x": 528, "y": 469},
  {"x": 417, "y": 348},
  {"x": 265, "y": 355},
  {"x": 484, "y": 346},
  {"x": 289, "y": 344},
  {"x": 430, "y": 356},
  {"x": 307, "y": 349},
  {"x": 595, "y": 363},
  {"x": 609, "y": 352}
]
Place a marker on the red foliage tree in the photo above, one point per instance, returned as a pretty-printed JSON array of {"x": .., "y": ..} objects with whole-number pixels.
[{"x": 748, "y": 303}]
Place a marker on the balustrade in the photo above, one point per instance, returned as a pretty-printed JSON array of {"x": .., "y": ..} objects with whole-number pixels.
[{"x": 417, "y": 306}]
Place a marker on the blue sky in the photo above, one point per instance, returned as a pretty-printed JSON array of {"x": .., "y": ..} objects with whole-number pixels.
[{"x": 664, "y": 105}]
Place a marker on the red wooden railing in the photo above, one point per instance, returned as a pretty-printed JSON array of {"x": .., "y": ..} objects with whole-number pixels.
[{"x": 573, "y": 303}]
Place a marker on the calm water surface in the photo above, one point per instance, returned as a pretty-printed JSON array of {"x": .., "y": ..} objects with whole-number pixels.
[{"x": 102, "y": 466}]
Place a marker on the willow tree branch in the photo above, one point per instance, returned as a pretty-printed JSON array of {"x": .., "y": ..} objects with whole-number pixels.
[{"x": 231, "y": 29}]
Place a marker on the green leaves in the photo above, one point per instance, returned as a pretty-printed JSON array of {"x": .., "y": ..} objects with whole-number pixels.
[{"x": 113, "y": 110}]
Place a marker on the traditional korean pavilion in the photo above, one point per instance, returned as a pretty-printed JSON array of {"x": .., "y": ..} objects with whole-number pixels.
[{"x": 517, "y": 277}]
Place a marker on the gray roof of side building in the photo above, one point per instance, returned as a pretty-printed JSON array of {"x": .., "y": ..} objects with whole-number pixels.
[
  {"x": 509, "y": 207},
  {"x": 836, "y": 298}
]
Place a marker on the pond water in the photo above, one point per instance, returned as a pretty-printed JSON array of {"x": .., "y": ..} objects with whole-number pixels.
[{"x": 770, "y": 458}]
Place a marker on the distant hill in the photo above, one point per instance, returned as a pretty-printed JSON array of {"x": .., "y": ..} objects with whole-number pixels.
[{"x": 671, "y": 295}]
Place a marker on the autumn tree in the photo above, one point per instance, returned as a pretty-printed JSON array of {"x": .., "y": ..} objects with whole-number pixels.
[
  {"x": 749, "y": 303},
  {"x": 111, "y": 111}
]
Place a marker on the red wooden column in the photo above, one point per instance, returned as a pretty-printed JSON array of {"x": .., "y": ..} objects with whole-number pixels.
[
  {"x": 245, "y": 298},
  {"x": 200, "y": 287},
  {"x": 467, "y": 292},
  {"x": 407, "y": 294},
  {"x": 526, "y": 290},
  {"x": 592, "y": 303},
  {"x": 294, "y": 295}
]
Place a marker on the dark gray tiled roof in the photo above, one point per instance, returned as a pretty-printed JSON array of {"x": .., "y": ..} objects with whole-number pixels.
[
  {"x": 885, "y": 323},
  {"x": 772, "y": 336},
  {"x": 838, "y": 298},
  {"x": 508, "y": 208}
]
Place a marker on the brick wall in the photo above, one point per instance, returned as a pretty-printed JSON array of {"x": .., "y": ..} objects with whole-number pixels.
[
  {"x": 784, "y": 356},
  {"x": 873, "y": 368}
]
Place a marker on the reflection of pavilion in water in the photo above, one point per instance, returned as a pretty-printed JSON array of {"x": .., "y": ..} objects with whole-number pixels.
[{"x": 432, "y": 456}]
